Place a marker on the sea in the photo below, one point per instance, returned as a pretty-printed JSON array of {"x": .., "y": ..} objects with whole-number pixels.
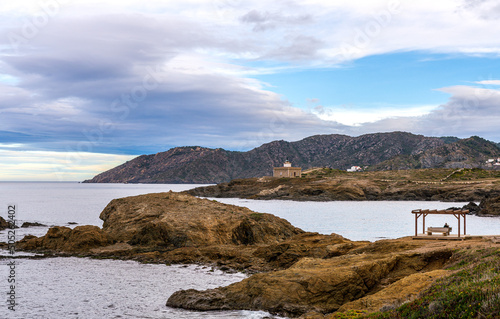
[{"x": 88, "y": 288}]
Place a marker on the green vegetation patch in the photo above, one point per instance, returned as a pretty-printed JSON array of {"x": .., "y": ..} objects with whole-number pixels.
[
  {"x": 326, "y": 172},
  {"x": 351, "y": 314},
  {"x": 426, "y": 175},
  {"x": 473, "y": 174},
  {"x": 472, "y": 292}
]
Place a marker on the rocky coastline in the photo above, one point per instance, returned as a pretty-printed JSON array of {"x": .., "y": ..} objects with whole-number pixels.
[
  {"x": 292, "y": 272},
  {"x": 350, "y": 187}
]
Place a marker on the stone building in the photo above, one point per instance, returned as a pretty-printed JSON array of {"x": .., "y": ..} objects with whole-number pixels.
[{"x": 287, "y": 171}]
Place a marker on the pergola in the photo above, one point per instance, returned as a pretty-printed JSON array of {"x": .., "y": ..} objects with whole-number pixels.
[{"x": 424, "y": 212}]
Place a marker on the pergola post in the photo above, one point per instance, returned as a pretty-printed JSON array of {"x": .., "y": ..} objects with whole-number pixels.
[
  {"x": 416, "y": 220},
  {"x": 423, "y": 224},
  {"x": 465, "y": 231}
]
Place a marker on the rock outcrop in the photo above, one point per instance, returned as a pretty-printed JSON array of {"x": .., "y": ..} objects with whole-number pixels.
[
  {"x": 180, "y": 220},
  {"x": 396, "y": 293},
  {"x": 32, "y": 224},
  {"x": 489, "y": 207},
  {"x": 64, "y": 239},
  {"x": 472, "y": 207},
  {"x": 3, "y": 223},
  {"x": 179, "y": 228},
  {"x": 351, "y": 187},
  {"x": 326, "y": 285}
]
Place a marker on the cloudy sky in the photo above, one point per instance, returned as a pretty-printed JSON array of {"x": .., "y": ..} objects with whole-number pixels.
[{"x": 87, "y": 85}]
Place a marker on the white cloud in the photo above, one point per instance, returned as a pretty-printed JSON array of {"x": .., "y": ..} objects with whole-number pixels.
[
  {"x": 10, "y": 145},
  {"x": 356, "y": 116},
  {"x": 60, "y": 82},
  {"x": 55, "y": 166},
  {"x": 469, "y": 111},
  {"x": 489, "y": 82},
  {"x": 312, "y": 32}
]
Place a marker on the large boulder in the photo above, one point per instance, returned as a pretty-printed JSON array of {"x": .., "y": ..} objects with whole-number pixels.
[
  {"x": 65, "y": 239},
  {"x": 180, "y": 220}
]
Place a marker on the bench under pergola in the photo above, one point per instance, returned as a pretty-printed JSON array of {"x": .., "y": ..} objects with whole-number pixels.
[{"x": 424, "y": 212}]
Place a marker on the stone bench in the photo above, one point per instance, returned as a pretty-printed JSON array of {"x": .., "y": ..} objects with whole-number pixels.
[{"x": 444, "y": 230}]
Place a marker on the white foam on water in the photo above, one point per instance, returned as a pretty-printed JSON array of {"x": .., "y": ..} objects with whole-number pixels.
[{"x": 89, "y": 288}]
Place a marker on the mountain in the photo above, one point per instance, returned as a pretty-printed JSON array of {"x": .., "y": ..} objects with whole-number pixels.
[
  {"x": 196, "y": 164},
  {"x": 473, "y": 152}
]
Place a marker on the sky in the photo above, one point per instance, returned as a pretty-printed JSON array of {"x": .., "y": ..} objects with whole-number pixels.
[{"x": 86, "y": 85}]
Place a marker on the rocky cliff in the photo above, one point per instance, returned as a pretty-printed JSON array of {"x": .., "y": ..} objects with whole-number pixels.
[{"x": 203, "y": 165}]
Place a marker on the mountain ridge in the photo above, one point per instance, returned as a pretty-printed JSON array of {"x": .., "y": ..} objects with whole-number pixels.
[{"x": 395, "y": 150}]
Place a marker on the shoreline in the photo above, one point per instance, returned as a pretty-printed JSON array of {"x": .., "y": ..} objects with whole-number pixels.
[
  {"x": 314, "y": 189},
  {"x": 292, "y": 272}
]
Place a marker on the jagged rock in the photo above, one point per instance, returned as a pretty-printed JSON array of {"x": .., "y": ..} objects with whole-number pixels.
[
  {"x": 489, "y": 207},
  {"x": 472, "y": 207},
  {"x": 285, "y": 254},
  {"x": 179, "y": 220},
  {"x": 3, "y": 223},
  {"x": 30, "y": 224},
  {"x": 65, "y": 239}
]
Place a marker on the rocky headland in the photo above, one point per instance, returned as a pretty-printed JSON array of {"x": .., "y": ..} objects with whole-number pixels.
[
  {"x": 179, "y": 228},
  {"x": 292, "y": 272},
  {"x": 328, "y": 184}
]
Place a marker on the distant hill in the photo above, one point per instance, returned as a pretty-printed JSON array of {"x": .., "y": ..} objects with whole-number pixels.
[
  {"x": 473, "y": 152},
  {"x": 396, "y": 150}
]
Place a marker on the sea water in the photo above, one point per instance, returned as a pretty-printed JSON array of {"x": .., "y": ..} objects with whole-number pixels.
[
  {"x": 87, "y": 288},
  {"x": 69, "y": 288},
  {"x": 367, "y": 220}
]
